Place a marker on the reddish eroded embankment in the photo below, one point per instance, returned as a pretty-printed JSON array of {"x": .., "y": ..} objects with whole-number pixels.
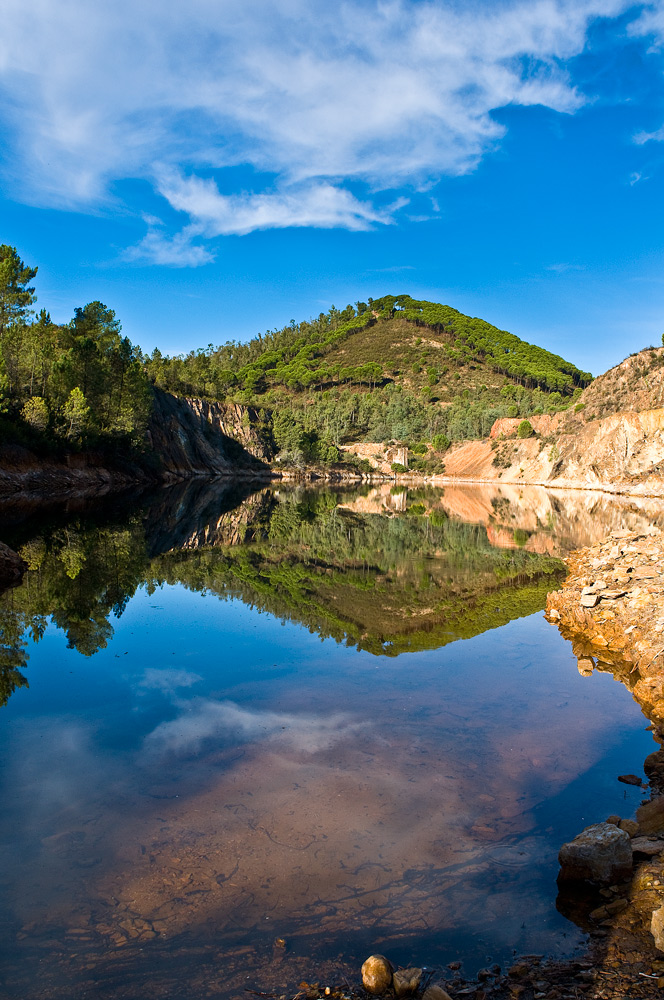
[{"x": 620, "y": 453}]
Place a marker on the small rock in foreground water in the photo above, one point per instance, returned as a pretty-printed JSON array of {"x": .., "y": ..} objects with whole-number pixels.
[
  {"x": 436, "y": 993},
  {"x": 376, "y": 974},
  {"x": 405, "y": 981}
]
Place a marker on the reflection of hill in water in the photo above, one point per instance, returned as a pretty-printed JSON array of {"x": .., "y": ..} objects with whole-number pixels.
[
  {"x": 387, "y": 571},
  {"x": 387, "y": 584}
]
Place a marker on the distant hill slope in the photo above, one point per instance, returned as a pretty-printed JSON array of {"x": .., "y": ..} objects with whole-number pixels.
[
  {"x": 611, "y": 439},
  {"x": 390, "y": 334},
  {"x": 635, "y": 385},
  {"x": 391, "y": 368}
]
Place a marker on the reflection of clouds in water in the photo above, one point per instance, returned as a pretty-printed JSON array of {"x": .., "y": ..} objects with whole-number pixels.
[
  {"x": 203, "y": 719},
  {"x": 167, "y": 680},
  {"x": 53, "y": 766}
]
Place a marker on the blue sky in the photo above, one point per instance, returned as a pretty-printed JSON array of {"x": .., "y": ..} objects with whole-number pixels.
[{"x": 214, "y": 169}]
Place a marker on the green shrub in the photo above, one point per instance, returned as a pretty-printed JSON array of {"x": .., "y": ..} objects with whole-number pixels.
[
  {"x": 417, "y": 508},
  {"x": 525, "y": 429},
  {"x": 441, "y": 442}
]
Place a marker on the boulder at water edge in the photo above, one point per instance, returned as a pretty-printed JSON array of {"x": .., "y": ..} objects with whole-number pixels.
[
  {"x": 601, "y": 853},
  {"x": 376, "y": 974}
]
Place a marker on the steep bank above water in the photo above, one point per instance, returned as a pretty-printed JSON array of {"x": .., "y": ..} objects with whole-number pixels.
[
  {"x": 185, "y": 437},
  {"x": 194, "y": 437},
  {"x": 621, "y": 453}
]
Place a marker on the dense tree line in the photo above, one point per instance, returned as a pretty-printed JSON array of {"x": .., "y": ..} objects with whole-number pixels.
[
  {"x": 66, "y": 385},
  {"x": 82, "y": 384},
  {"x": 295, "y": 356},
  {"x": 531, "y": 366}
]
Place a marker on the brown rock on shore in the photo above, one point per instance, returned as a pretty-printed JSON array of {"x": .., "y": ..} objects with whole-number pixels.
[
  {"x": 12, "y": 566},
  {"x": 377, "y": 974}
]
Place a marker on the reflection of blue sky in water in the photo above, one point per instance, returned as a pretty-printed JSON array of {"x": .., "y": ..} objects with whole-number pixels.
[{"x": 355, "y": 796}]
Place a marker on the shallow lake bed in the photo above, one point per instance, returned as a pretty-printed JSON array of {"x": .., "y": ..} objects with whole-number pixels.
[{"x": 233, "y": 749}]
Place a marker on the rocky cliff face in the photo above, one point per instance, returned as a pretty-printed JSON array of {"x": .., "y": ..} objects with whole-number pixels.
[
  {"x": 195, "y": 437},
  {"x": 199, "y": 513},
  {"x": 612, "y": 440},
  {"x": 621, "y": 453}
]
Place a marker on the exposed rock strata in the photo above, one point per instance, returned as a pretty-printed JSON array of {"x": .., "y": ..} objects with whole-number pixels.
[
  {"x": 195, "y": 437},
  {"x": 620, "y": 453}
]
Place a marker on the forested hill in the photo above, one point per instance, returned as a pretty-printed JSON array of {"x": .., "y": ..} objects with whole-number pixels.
[
  {"x": 387, "y": 369},
  {"x": 361, "y": 345}
]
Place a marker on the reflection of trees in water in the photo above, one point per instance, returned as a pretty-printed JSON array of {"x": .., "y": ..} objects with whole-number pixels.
[
  {"x": 361, "y": 578},
  {"x": 77, "y": 577},
  {"x": 385, "y": 584}
]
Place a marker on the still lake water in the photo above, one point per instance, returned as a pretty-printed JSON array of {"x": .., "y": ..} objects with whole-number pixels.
[{"x": 337, "y": 719}]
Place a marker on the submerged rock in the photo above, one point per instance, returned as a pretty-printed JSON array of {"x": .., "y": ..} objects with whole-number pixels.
[
  {"x": 585, "y": 665},
  {"x": 601, "y": 853},
  {"x": 376, "y": 974},
  {"x": 657, "y": 928},
  {"x": 436, "y": 993},
  {"x": 405, "y": 981}
]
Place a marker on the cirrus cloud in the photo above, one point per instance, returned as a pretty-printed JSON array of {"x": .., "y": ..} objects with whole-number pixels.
[{"x": 309, "y": 100}]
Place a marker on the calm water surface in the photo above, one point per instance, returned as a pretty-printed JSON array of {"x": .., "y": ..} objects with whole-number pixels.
[{"x": 334, "y": 719}]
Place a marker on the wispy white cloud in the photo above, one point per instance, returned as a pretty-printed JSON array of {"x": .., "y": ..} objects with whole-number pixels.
[
  {"x": 642, "y": 137},
  {"x": 564, "y": 267},
  {"x": 167, "y": 680},
  {"x": 380, "y": 93},
  {"x": 315, "y": 204},
  {"x": 177, "y": 250},
  {"x": 203, "y": 720}
]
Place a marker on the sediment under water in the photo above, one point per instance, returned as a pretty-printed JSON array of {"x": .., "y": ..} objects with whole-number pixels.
[{"x": 315, "y": 726}]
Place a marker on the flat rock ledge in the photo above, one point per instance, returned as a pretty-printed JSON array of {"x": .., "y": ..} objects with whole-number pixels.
[{"x": 611, "y": 606}]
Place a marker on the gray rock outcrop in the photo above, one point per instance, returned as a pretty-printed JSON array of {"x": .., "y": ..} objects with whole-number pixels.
[
  {"x": 195, "y": 437},
  {"x": 601, "y": 853}
]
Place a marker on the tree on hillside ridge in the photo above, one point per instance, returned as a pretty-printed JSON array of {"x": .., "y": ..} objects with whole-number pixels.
[{"x": 16, "y": 295}]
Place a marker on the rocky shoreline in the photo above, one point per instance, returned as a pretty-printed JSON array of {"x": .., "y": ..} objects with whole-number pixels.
[{"x": 611, "y": 607}]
